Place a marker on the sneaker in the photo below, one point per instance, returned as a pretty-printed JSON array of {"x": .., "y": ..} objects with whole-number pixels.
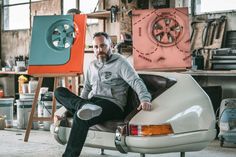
[{"x": 89, "y": 111}]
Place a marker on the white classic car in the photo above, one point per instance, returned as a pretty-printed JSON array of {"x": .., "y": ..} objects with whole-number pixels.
[{"x": 182, "y": 119}]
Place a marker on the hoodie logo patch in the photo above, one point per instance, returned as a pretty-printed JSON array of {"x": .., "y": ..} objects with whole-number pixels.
[{"x": 108, "y": 74}]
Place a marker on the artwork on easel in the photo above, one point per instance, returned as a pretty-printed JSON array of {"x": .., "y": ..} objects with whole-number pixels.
[{"x": 57, "y": 44}]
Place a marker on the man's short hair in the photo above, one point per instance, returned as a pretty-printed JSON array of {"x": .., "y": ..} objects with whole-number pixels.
[{"x": 97, "y": 34}]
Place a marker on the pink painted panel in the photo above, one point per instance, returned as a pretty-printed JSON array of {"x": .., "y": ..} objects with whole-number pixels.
[{"x": 161, "y": 39}]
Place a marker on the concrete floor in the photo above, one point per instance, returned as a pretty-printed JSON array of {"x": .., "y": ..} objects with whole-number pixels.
[{"x": 42, "y": 144}]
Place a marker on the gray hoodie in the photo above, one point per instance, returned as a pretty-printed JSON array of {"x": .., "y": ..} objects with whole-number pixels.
[{"x": 111, "y": 81}]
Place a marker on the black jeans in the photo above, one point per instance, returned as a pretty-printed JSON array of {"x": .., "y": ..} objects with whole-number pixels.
[{"x": 79, "y": 130}]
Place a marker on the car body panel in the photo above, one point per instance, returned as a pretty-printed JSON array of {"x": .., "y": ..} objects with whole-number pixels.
[{"x": 184, "y": 105}]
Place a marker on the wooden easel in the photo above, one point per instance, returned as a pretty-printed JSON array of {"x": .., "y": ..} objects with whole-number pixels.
[{"x": 56, "y": 77}]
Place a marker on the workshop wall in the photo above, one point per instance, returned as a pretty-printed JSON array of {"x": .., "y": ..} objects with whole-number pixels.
[
  {"x": 17, "y": 42},
  {"x": 230, "y": 21},
  {"x": 114, "y": 27},
  {"x": 230, "y": 16}
]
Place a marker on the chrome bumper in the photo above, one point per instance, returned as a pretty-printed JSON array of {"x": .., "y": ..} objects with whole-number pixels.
[{"x": 121, "y": 133}]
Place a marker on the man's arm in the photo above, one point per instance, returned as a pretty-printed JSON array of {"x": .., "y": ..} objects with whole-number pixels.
[
  {"x": 128, "y": 73},
  {"x": 87, "y": 86}
]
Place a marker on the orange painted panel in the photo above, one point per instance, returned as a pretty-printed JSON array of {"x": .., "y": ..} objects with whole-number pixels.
[{"x": 76, "y": 59}]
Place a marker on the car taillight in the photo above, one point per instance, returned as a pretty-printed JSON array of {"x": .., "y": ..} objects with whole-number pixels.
[
  {"x": 133, "y": 129},
  {"x": 150, "y": 130}
]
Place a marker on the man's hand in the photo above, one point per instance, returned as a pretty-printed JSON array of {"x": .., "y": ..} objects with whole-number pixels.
[{"x": 146, "y": 106}]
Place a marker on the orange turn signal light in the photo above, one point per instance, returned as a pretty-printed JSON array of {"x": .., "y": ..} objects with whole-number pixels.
[{"x": 150, "y": 130}]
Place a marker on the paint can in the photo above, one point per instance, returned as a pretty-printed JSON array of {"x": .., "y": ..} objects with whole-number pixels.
[
  {"x": 32, "y": 85},
  {"x": 24, "y": 107}
]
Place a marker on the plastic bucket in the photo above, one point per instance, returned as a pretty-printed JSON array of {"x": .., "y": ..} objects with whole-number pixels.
[
  {"x": 46, "y": 102},
  {"x": 47, "y": 112},
  {"x": 24, "y": 107},
  {"x": 6, "y": 109}
]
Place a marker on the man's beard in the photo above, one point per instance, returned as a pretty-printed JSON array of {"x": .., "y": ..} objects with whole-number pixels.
[{"x": 102, "y": 57}]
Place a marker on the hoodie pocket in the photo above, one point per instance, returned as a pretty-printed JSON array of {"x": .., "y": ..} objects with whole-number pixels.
[{"x": 104, "y": 90}]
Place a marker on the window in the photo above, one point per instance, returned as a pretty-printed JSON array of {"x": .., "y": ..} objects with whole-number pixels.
[
  {"x": 85, "y": 7},
  {"x": 67, "y": 5},
  {"x": 204, "y": 6},
  {"x": 89, "y": 7},
  {"x": 16, "y": 14}
]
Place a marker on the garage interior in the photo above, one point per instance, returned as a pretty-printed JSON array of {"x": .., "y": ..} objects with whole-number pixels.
[{"x": 202, "y": 30}]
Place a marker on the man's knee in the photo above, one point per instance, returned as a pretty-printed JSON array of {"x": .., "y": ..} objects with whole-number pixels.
[{"x": 60, "y": 92}]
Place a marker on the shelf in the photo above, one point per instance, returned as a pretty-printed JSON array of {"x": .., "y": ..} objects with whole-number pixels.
[
  {"x": 88, "y": 50},
  {"x": 211, "y": 72},
  {"x": 14, "y": 73},
  {"x": 99, "y": 15}
]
